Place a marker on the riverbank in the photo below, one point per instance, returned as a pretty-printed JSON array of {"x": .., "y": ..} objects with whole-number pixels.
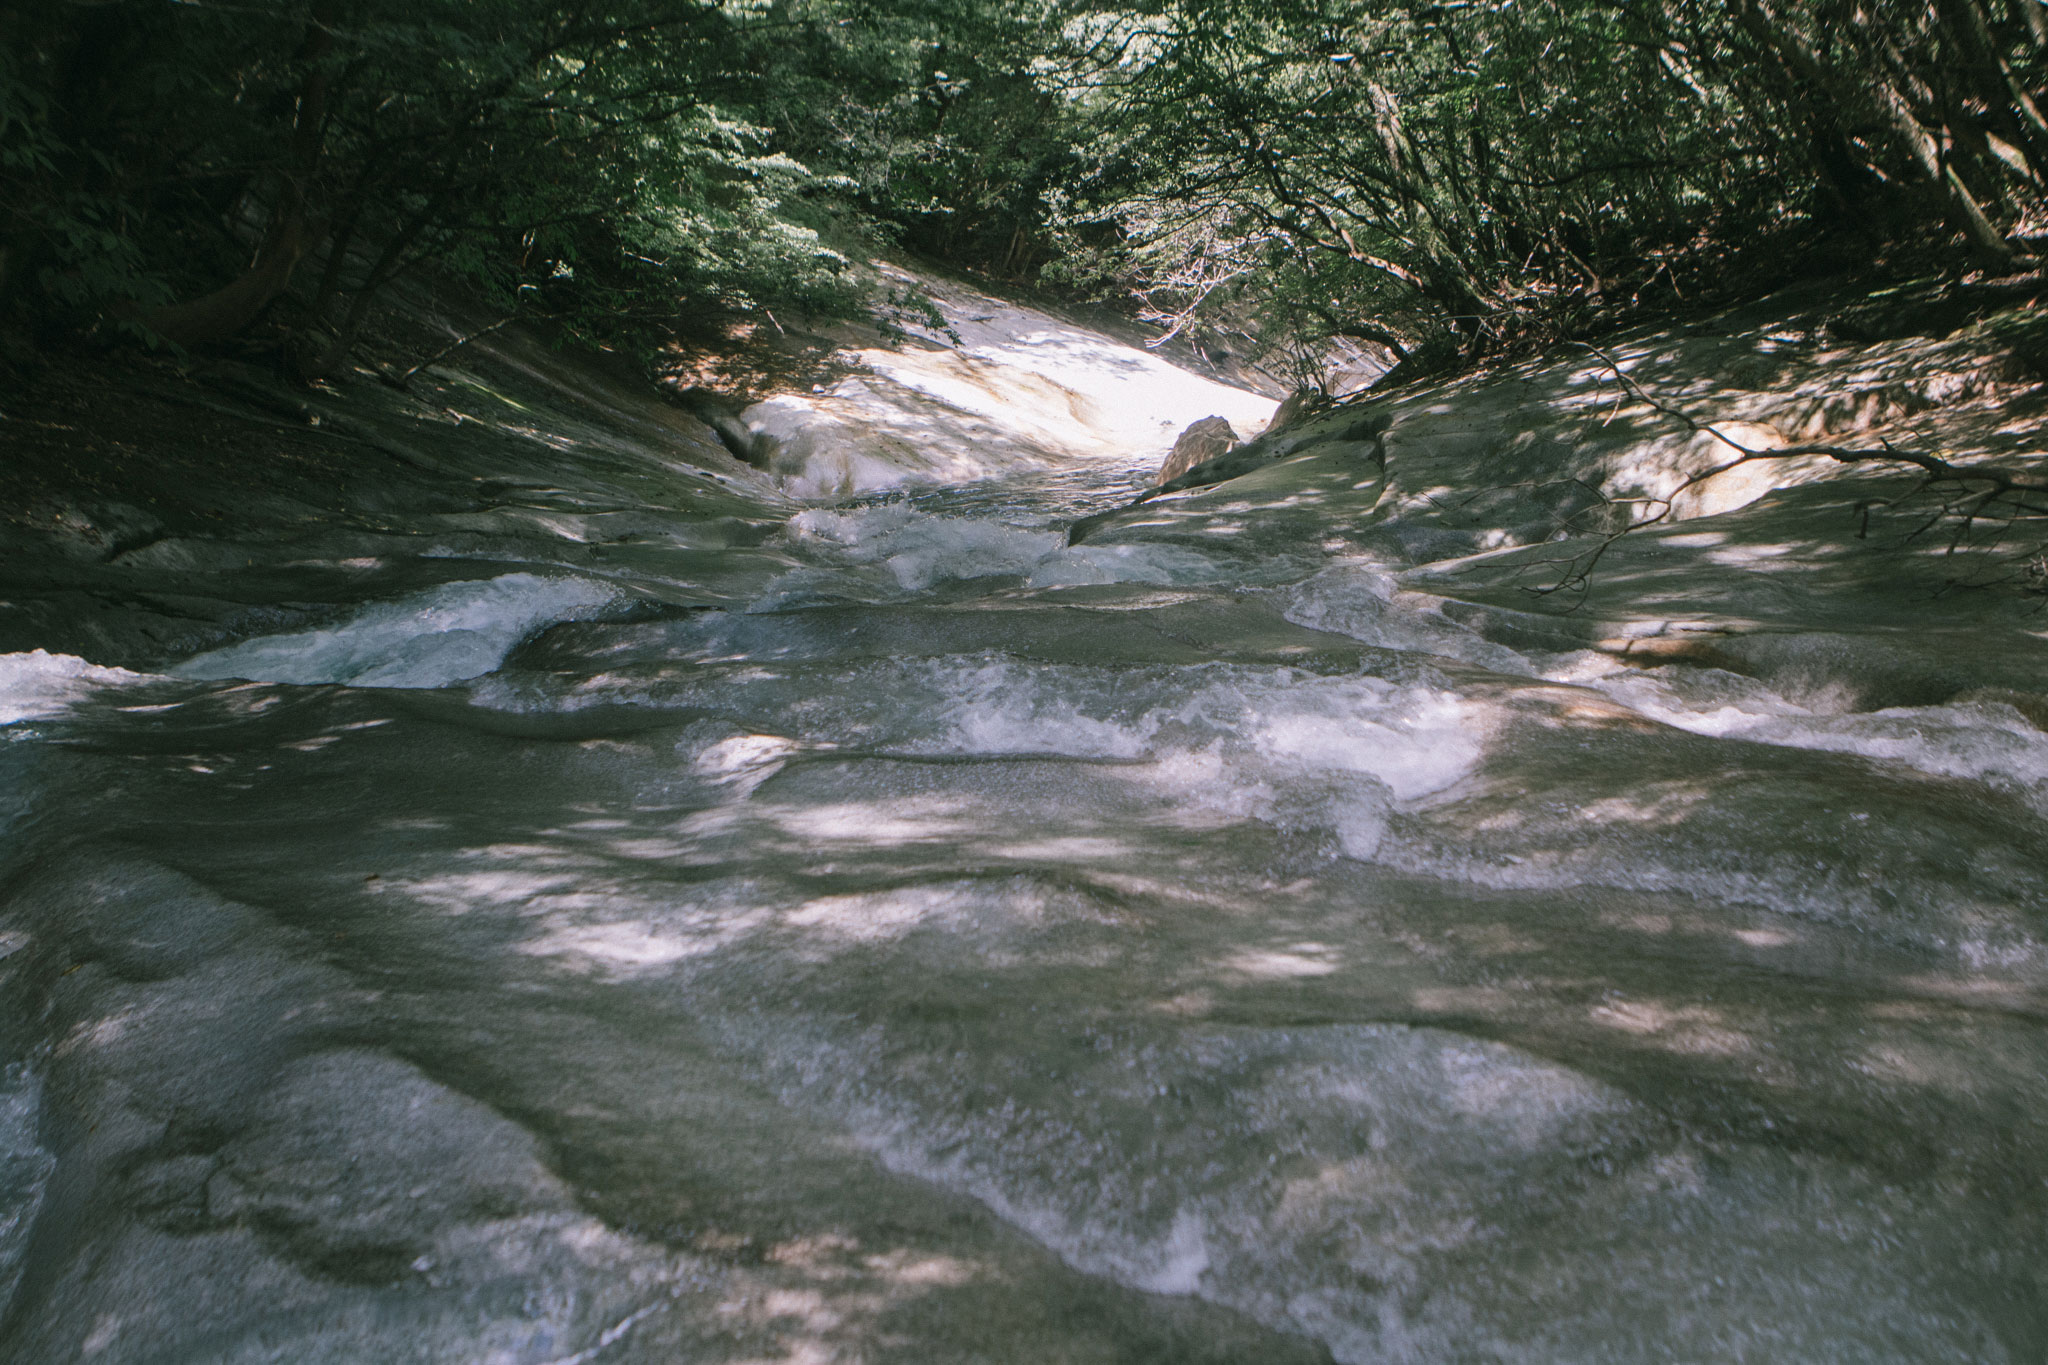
[{"x": 491, "y": 875}]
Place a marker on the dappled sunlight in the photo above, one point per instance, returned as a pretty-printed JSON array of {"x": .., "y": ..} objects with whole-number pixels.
[
  {"x": 1079, "y": 848},
  {"x": 655, "y": 849},
  {"x": 1283, "y": 918},
  {"x": 1483, "y": 1001},
  {"x": 1279, "y": 964},
  {"x": 1494, "y": 940},
  {"x": 1384, "y": 1186},
  {"x": 1753, "y": 556},
  {"x": 2027, "y": 994},
  {"x": 619, "y": 948},
  {"x": 103, "y": 1032},
  {"x": 1692, "y": 1029},
  {"x": 930, "y": 956},
  {"x": 819, "y": 1297},
  {"x": 876, "y": 915},
  {"x": 907, "y": 820},
  {"x": 1898, "y": 1064},
  {"x": 460, "y": 893},
  {"x": 1659, "y": 804},
  {"x": 1011, "y": 388}
]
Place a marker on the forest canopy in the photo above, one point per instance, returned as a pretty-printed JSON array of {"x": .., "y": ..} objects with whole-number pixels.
[{"x": 1440, "y": 179}]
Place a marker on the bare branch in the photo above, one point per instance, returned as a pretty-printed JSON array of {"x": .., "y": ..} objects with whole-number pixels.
[{"x": 1979, "y": 488}]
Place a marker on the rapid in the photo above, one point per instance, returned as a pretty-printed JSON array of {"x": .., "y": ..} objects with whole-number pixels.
[{"x": 654, "y": 911}]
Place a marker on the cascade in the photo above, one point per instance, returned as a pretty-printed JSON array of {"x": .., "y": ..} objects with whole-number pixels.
[{"x": 829, "y": 911}]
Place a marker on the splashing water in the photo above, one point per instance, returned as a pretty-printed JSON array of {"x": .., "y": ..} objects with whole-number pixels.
[{"x": 1222, "y": 940}]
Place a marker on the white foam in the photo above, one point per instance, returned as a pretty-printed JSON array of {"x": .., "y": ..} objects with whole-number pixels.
[
  {"x": 1365, "y": 603},
  {"x": 1267, "y": 744},
  {"x": 1985, "y": 741},
  {"x": 1989, "y": 742},
  {"x": 1398, "y": 1193},
  {"x": 1002, "y": 708},
  {"x": 40, "y": 684},
  {"x": 1705, "y": 701},
  {"x": 1162, "y": 564},
  {"x": 1017, "y": 389},
  {"x": 444, "y": 635},
  {"x": 1421, "y": 742},
  {"x": 920, "y": 549}
]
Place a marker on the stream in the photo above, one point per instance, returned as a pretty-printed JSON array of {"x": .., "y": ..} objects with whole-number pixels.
[{"x": 644, "y": 924}]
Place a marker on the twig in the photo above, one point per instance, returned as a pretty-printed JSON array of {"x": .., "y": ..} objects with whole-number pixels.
[
  {"x": 2001, "y": 479},
  {"x": 1998, "y": 485},
  {"x": 402, "y": 380}
]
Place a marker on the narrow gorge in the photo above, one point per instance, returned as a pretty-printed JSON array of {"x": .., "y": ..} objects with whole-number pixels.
[{"x": 492, "y": 875}]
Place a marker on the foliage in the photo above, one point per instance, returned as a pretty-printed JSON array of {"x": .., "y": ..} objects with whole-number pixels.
[
  {"x": 597, "y": 161},
  {"x": 1440, "y": 177},
  {"x": 1495, "y": 168}
]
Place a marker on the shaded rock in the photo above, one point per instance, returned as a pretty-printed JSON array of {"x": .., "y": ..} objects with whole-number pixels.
[
  {"x": 1889, "y": 319},
  {"x": 1925, "y": 310},
  {"x": 2024, "y": 332},
  {"x": 1436, "y": 356},
  {"x": 1202, "y": 442},
  {"x": 722, "y": 415},
  {"x": 1300, "y": 404},
  {"x": 1355, "y": 434}
]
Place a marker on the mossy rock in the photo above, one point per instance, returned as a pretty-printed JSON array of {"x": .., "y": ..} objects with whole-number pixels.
[
  {"x": 1888, "y": 319},
  {"x": 2024, "y": 332}
]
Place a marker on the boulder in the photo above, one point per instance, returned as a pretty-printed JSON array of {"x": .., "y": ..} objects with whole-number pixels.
[
  {"x": 1345, "y": 434},
  {"x": 1299, "y": 404},
  {"x": 1202, "y": 442}
]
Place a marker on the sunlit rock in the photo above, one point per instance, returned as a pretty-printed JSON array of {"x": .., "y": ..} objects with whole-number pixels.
[
  {"x": 636, "y": 921},
  {"x": 1201, "y": 442},
  {"x": 1002, "y": 388}
]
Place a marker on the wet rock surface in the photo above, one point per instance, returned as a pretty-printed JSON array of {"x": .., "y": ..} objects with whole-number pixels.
[{"x": 554, "y": 900}]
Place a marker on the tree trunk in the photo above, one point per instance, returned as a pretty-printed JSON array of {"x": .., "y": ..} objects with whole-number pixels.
[
  {"x": 226, "y": 311},
  {"x": 340, "y": 238},
  {"x": 2010, "y": 108},
  {"x": 2034, "y": 16},
  {"x": 1804, "y": 88},
  {"x": 1986, "y": 244},
  {"x": 318, "y": 362}
]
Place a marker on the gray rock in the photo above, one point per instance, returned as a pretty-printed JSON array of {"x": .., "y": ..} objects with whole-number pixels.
[
  {"x": 1300, "y": 405},
  {"x": 1202, "y": 442}
]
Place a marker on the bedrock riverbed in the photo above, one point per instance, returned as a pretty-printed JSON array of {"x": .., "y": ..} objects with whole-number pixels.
[{"x": 491, "y": 877}]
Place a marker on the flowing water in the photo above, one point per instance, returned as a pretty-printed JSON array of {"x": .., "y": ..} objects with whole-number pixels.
[{"x": 912, "y": 938}]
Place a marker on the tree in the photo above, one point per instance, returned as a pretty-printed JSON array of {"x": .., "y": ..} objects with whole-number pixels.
[
  {"x": 1401, "y": 170},
  {"x": 1439, "y": 178},
  {"x": 597, "y": 156}
]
